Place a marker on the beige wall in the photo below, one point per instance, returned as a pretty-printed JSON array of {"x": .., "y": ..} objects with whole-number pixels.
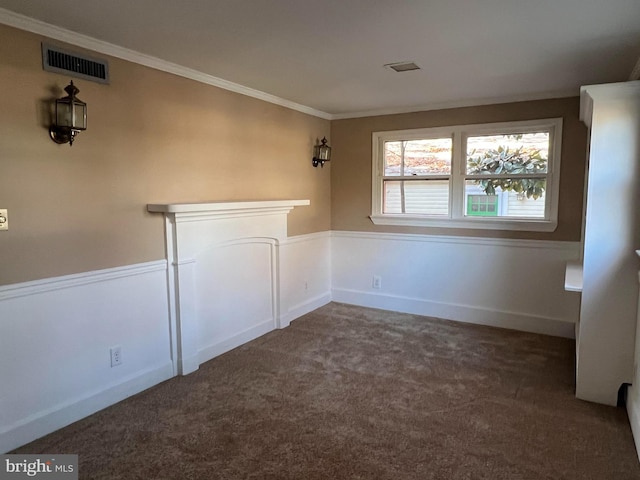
[
  {"x": 351, "y": 163},
  {"x": 152, "y": 138}
]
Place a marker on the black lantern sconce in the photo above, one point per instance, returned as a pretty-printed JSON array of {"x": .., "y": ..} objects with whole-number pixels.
[
  {"x": 321, "y": 153},
  {"x": 70, "y": 117}
]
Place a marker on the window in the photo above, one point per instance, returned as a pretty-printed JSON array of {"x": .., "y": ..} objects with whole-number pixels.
[
  {"x": 482, "y": 205},
  {"x": 492, "y": 176}
]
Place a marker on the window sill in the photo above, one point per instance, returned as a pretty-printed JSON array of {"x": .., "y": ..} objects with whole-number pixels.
[{"x": 467, "y": 223}]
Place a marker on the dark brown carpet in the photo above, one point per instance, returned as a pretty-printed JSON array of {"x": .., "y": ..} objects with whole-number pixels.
[{"x": 354, "y": 393}]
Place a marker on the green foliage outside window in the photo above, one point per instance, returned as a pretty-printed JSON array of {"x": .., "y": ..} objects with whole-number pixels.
[{"x": 506, "y": 161}]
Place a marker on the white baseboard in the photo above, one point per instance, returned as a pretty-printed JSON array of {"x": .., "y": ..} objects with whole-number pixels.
[
  {"x": 457, "y": 312},
  {"x": 303, "y": 308},
  {"x": 42, "y": 423},
  {"x": 633, "y": 411},
  {"x": 207, "y": 353}
]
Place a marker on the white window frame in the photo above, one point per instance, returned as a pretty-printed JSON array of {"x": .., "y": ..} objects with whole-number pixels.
[{"x": 456, "y": 217}]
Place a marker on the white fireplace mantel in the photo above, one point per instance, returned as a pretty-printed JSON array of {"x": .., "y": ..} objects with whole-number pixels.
[
  {"x": 224, "y": 281},
  {"x": 226, "y": 209}
]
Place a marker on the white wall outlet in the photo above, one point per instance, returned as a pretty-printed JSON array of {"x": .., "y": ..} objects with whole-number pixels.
[
  {"x": 4, "y": 219},
  {"x": 377, "y": 282},
  {"x": 116, "y": 356}
]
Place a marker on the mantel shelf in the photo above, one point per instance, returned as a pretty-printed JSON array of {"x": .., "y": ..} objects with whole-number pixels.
[{"x": 224, "y": 208}]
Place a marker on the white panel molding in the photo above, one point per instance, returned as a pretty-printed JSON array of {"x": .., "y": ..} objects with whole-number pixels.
[
  {"x": 79, "y": 317},
  {"x": 194, "y": 234},
  {"x": 207, "y": 353},
  {"x": 78, "y": 279},
  {"x": 32, "y": 25},
  {"x": 307, "y": 237},
  {"x": 457, "y": 312},
  {"x": 303, "y": 308},
  {"x": 61, "y": 415},
  {"x": 449, "y": 277},
  {"x": 184, "y": 261},
  {"x": 633, "y": 411},
  {"x": 305, "y": 274},
  {"x": 459, "y": 240},
  {"x": 633, "y": 391}
]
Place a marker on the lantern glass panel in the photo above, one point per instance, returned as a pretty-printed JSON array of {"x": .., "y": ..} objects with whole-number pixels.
[
  {"x": 325, "y": 153},
  {"x": 63, "y": 113},
  {"x": 80, "y": 116}
]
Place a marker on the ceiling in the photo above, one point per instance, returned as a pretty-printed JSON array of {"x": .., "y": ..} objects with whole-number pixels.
[{"x": 329, "y": 56}]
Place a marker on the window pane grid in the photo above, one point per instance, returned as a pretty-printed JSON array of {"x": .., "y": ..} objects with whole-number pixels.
[
  {"x": 417, "y": 157},
  {"x": 420, "y": 197},
  {"x": 506, "y": 173},
  {"x": 416, "y": 175}
]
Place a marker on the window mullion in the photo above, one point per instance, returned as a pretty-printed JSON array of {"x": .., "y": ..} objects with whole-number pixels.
[
  {"x": 403, "y": 204},
  {"x": 457, "y": 180}
]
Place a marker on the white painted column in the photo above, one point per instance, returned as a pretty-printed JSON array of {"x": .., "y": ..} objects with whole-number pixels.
[{"x": 605, "y": 341}]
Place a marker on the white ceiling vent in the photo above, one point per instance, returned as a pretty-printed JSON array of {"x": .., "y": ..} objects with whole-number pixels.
[
  {"x": 58, "y": 60},
  {"x": 402, "y": 66}
]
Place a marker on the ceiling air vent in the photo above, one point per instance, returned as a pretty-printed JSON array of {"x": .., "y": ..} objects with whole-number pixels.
[
  {"x": 57, "y": 60},
  {"x": 402, "y": 66}
]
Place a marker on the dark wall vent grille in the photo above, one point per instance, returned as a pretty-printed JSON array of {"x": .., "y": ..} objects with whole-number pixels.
[{"x": 57, "y": 60}]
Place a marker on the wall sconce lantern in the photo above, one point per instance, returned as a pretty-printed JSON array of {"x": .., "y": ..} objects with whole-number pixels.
[
  {"x": 70, "y": 117},
  {"x": 321, "y": 153}
]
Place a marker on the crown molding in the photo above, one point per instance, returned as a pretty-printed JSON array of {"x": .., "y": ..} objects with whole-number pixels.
[
  {"x": 459, "y": 104},
  {"x": 29, "y": 24},
  {"x": 32, "y": 25}
]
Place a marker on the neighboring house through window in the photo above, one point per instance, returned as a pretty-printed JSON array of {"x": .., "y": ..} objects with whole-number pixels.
[{"x": 493, "y": 176}]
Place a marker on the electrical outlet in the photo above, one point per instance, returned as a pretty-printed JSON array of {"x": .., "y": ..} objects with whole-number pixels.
[
  {"x": 377, "y": 282},
  {"x": 116, "y": 356}
]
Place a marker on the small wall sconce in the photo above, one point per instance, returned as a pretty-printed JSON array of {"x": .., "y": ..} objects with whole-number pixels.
[
  {"x": 70, "y": 117},
  {"x": 321, "y": 153}
]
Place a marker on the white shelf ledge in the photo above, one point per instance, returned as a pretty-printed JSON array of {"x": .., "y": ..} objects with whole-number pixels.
[{"x": 573, "y": 277}]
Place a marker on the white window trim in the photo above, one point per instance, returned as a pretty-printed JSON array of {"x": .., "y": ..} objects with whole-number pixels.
[{"x": 456, "y": 217}]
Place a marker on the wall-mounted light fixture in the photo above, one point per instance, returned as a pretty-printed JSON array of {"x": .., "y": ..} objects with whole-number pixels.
[
  {"x": 321, "y": 153},
  {"x": 70, "y": 117}
]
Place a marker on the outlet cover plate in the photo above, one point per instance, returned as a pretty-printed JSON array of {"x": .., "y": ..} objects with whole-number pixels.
[{"x": 116, "y": 356}]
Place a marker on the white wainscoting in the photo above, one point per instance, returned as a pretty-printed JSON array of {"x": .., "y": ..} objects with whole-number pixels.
[
  {"x": 633, "y": 392},
  {"x": 517, "y": 284},
  {"x": 55, "y": 340},
  {"x": 305, "y": 275},
  {"x": 633, "y": 403},
  {"x": 56, "y": 333}
]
